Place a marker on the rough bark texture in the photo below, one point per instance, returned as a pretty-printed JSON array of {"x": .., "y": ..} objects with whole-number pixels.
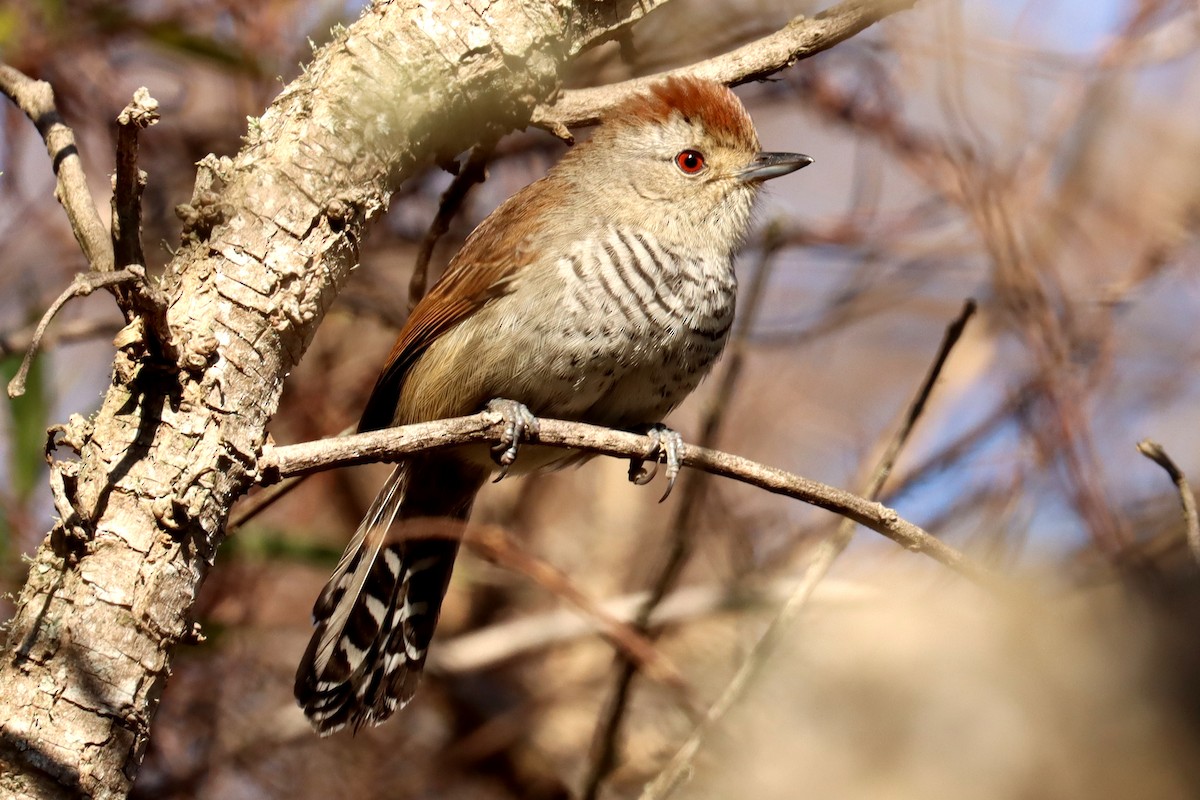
[{"x": 270, "y": 243}]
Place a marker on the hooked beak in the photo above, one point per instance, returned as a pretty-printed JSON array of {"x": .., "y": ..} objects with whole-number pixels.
[{"x": 771, "y": 165}]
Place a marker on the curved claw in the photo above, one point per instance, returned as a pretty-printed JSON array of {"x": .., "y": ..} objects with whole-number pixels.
[
  {"x": 519, "y": 424},
  {"x": 641, "y": 474},
  {"x": 673, "y": 452},
  {"x": 665, "y": 445}
]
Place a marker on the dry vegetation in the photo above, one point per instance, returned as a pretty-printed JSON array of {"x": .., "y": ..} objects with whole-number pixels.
[{"x": 1045, "y": 163}]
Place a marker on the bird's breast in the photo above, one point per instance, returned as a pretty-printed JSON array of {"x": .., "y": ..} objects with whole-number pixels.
[{"x": 633, "y": 326}]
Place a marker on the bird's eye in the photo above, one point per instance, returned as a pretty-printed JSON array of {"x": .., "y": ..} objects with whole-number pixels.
[{"x": 690, "y": 161}]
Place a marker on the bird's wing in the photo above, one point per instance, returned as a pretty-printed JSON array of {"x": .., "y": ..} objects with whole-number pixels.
[{"x": 481, "y": 271}]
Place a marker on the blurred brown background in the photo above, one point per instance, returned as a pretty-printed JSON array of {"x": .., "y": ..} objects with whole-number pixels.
[{"x": 1041, "y": 157}]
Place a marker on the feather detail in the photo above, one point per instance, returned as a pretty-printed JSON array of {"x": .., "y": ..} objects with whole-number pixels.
[{"x": 377, "y": 614}]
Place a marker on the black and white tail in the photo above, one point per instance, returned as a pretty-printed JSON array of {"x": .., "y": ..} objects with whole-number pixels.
[{"x": 376, "y": 616}]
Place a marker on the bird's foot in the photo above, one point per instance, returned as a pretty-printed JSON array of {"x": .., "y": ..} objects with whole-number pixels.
[
  {"x": 519, "y": 425},
  {"x": 666, "y": 445}
]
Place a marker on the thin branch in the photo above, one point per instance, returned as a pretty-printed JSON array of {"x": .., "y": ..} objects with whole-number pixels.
[
  {"x": 1155, "y": 452},
  {"x": 255, "y": 504},
  {"x": 78, "y": 330},
  {"x": 605, "y": 742},
  {"x": 494, "y": 645},
  {"x": 799, "y": 39},
  {"x": 129, "y": 181},
  {"x": 392, "y": 444},
  {"x": 497, "y": 544},
  {"x": 143, "y": 299},
  {"x": 950, "y": 338},
  {"x": 36, "y": 100},
  {"x": 83, "y": 285},
  {"x": 473, "y": 171},
  {"x": 681, "y": 763}
]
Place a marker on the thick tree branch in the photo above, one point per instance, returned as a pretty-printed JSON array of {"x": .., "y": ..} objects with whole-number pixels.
[{"x": 799, "y": 39}]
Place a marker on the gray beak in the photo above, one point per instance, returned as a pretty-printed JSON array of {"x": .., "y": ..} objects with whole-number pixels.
[{"x": 771, "y": 165}]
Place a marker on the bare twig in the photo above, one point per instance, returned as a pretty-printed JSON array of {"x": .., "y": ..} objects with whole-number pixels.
[
  {"x": 605, "y": 742},
  {"x": 83, "y": 285},
  {"x": 953, "y": 333},
  {"x": 473, "y": 171},
  {"x": 36, "y": 99},
  {"x": 129, "y": 181},
  {"x": 496, "y": 644},
  {"x": 391, "y": 444},
  {"x": 143, "y": 299},
  {"x": 1155, "y": 452},
  {"x": 18, "y": 341},
  {"x": 679, "y": 766},
  {"x": 800, "y": 38},
  {"x": 255, "y": 504},
  {"x": 496, "y": 543}
]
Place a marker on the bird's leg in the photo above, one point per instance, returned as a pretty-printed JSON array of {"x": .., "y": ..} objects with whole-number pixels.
[
  {"x": 666, "y": 445},
  {"x": 519, "y": 424}
]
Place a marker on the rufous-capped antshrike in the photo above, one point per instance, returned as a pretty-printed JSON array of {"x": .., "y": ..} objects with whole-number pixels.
[{"x": 603, "y": 292}]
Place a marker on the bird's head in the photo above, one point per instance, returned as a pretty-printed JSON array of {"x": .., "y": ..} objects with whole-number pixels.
[{"x": 681, "y": 159}]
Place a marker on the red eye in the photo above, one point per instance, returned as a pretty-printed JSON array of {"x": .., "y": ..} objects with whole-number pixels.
[{"x": 690, "y": 161}]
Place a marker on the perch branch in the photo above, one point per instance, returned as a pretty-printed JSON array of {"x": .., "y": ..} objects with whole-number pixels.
[{"x": 281, "y": 461}]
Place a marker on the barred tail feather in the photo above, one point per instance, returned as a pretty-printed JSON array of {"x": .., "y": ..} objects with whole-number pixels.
[{"x": 376, "y": 616}]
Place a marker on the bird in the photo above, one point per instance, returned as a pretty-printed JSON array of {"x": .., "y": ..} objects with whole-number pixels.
[{"x": 603, "y": 293}]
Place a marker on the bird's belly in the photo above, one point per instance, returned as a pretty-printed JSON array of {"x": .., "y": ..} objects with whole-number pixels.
[{"x": 618, "y": 368}]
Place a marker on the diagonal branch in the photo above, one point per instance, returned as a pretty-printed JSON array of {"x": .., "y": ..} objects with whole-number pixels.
[
  {"x": 1155, "y": 452},
  {"x": 472, "y": 171},
  {"x": 36, "y": 99},
  {"x": 799, "y": 39},
  {"x": 503, "y": 641},
  {"x": 680, "y": 764}
]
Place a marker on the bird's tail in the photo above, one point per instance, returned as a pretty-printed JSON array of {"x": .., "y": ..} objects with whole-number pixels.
[{"x": 376, "y": 616}]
